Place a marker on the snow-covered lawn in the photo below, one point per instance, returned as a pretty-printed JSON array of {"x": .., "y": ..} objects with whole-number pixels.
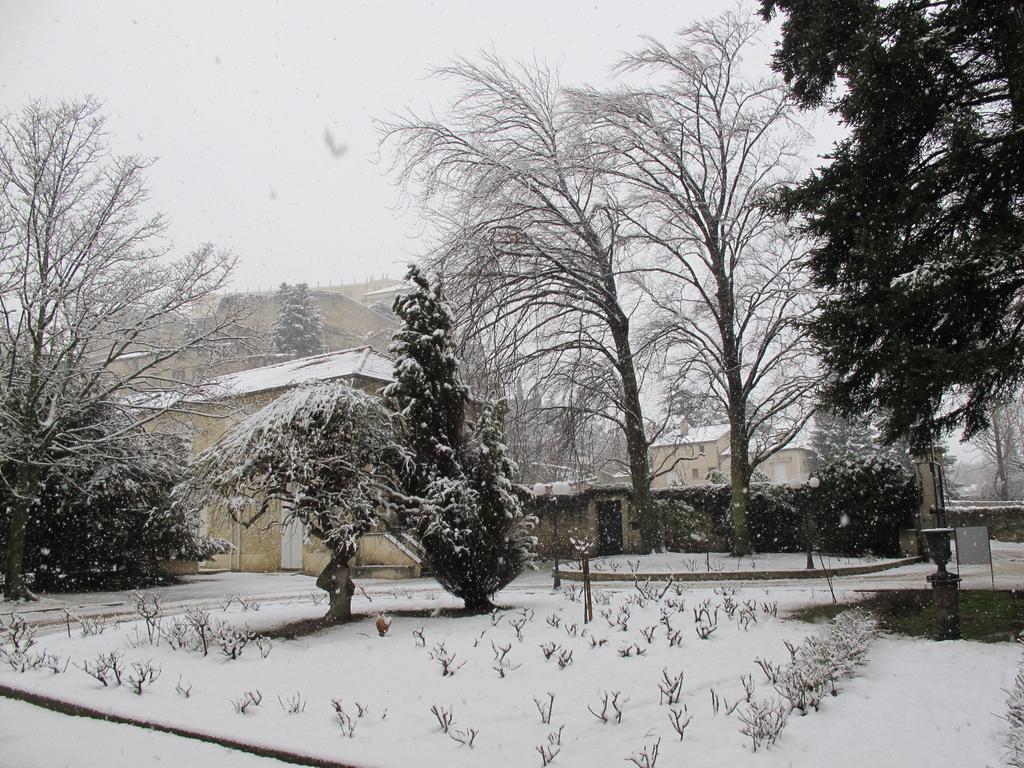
[
  {"x": 914, "y": 702},
  {"x": 79, "y": 742}
]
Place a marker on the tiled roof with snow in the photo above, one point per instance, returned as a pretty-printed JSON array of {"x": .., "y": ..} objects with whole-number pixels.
[
  {"x": 361, "y": 361},
  {"x": 694, "y": 435}
]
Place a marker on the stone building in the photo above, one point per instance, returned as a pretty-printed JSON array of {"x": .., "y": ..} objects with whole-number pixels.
[
  {"x": 700, "y": 456},
  {"x": 268, "y": 545}
]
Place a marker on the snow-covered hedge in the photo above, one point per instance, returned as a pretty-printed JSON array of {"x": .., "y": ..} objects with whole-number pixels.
[
  {"x": 861, "y": 506},
  {"x": 859, "y": 509},
  {"x": 105, "y": 518}
]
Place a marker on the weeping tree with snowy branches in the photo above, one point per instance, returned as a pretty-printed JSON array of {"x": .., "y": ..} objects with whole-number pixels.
[
  {"x": 467, "y": 515},
  {"x": 327, "y": 453}
]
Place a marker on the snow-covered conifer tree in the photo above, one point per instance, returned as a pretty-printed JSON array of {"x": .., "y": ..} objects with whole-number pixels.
[
  {"x": 835, "y": 437},
  {"x": 298, "y": 329},
  {"x": 472, "y": 526},
  {"x": 428, "y": 390},
  {"x": 327, "y": 452}
]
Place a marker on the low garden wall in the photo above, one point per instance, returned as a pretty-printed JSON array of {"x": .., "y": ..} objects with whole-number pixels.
[{"x": 1005, "y": 521}]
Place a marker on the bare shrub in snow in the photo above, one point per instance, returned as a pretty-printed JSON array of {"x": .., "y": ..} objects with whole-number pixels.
[
  {"x": 517, "y": 624},
  {"x": 549, "y": 649},
  {"x": 264, "y": 644},
  {"x": 142, "y": 673},
  {"x": 763, "y": 721},
  {"x": 550, "y": 750},
  {"x": 176, "y": 634},
  {"x": 147, "y": 606},
  {"x": 418, "y": 635},
  {"x": 247, "y": 699},
  {"x": 345, "y": 721},
  {"x": 107, "y": 666},
  {"x": 1015, "y": 717},
  {"x": 770, "y": 669},
  {"x": 231, "y": 640},
  {"x": 647, "y": 757},
  {"x": 679, "y": 719},
  {"x": 564, "y": 658},
  {"x": 293, "y": 705},
  {"x": 91, "y": 627},
  {"x": 463, "y": 735},
  {"x": 445, "y": 718},
  {"x": 670, "y": 687},
  {"x": 545, "y": 708},
  {"x": 16, "y": 638},
  {"x": 502, "y": 665},
  {"x": 183, "y": 689},
  {"x": 441, "y": 655},
  {"x": 632, "y": 649},
  {"x": 610, "y": 698},
  {"x": 597, "y": 642},
  {"x": 199, "y": 621}
]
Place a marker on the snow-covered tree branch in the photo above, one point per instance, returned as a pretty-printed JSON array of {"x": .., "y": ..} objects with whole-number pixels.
[{"x": 86, "y": 285}]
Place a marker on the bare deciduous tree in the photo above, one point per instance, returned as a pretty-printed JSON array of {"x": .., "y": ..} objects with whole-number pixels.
[
  {"x": 1001, "y": 445},
  {"x": 701, "y": 150},
  {"x": 85, "y": 284},
  {"x": 532, "y": 256}
]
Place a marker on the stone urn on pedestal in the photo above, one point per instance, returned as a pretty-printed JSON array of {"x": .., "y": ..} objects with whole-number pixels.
[{"x": 945, "y": 585}]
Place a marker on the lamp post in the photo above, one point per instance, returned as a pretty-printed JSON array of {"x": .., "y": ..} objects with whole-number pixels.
[
  {"x": 812, "y": 482},
  {"x": 554, "y": 489}
]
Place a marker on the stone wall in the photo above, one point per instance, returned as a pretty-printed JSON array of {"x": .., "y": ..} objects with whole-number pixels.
[{"x": 1005, "y": 522}]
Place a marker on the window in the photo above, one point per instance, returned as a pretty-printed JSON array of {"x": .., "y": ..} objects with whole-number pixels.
[
  {"x": 696, "y": 474},
  {"x": 701, "y": 449}
]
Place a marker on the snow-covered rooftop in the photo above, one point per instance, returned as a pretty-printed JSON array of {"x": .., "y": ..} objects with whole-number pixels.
[
  {"x": 694, "y": 436},
  {"x": 361, "y": 361},
  {"x": 388, "y": 290}
]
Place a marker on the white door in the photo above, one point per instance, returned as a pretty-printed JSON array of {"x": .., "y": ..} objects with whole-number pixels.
[{"x": 291, "y": 546}]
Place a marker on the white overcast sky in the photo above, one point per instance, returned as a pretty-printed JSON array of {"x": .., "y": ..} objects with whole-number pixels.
[{"x": 233, "y": 100}]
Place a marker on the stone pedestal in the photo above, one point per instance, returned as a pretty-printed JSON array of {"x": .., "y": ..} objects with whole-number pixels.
[
  {"x": 945, "y": 585},
  {"x": 946, "y": 594}
]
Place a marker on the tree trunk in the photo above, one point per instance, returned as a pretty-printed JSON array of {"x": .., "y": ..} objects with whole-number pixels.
[
  {"x": 17, "y": 535},
  {"x": 336, "y": 581},
  {"x": 651, "y": 533},
  {"x": 739, "y": 478},
  {"x": 478, "y": 604}
]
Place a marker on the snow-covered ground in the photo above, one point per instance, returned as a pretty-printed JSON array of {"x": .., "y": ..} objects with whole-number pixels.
[
  {"x": 915, "y": 702},
  {"x": 78, "y": 742}
]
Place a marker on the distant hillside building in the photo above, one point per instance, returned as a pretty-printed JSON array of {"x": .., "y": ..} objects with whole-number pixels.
[{"x": 700, "y": 454}]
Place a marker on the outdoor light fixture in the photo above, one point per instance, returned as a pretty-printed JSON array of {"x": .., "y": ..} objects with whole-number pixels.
[
  {"x": 560, "y": 488},
  {"x": 812, "y": 482}
]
